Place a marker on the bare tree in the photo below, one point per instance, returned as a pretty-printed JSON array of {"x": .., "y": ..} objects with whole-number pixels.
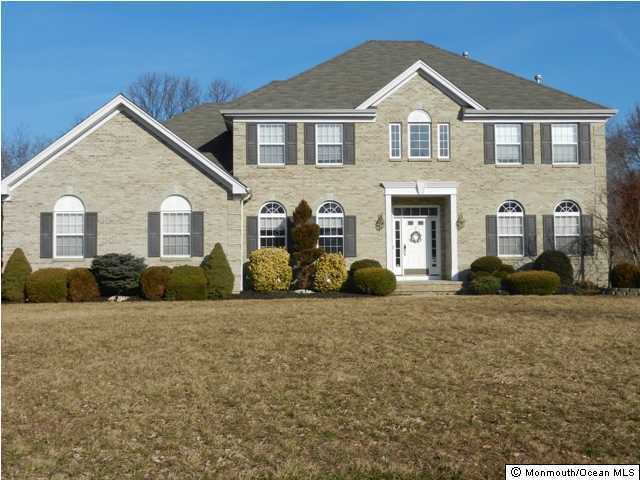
[
  {"x": 164, "y": 95},
  {"x": 19, "y": 147},
  {"x": 223, "y": 91}
]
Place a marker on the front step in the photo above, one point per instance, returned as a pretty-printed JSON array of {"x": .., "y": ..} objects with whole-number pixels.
[{"x": 428, "y": 287}]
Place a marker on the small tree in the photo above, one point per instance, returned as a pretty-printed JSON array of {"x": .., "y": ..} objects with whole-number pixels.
[
  {"x": 218, "y": 272},
  {"x": 14, "y": 277},
  {"x": 118, "y": 274},
  {"x": 305, "y": 235}
]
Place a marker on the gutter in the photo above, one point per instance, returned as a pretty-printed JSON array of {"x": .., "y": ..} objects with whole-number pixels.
[{"x": 539, "y": 115}]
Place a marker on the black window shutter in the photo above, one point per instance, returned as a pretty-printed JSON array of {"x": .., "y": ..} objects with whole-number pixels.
[
  {"x": 289, "y": 234},
  {"x": 252, "y": 234},
  {"x": 491, "y": 222},
  {"x": 310, "y": 143},
  {"x": 545, "y": 143},
  {"x": 291, "y": 134},
  {"x": 530, "y": 238},
  {"x": 348, "y": 144},
  {"x": 90, "y": 234},
  {"x": 350, "y": 249},
  {"x": 548, "y": 241},
  {"x": 46, "y": 234},
  {"x": 197, "y": 234},
  {"x": 252, "y": 144},
  {"x": 584, "y": 143},
  {"x": 489, "y": 144},
  {"x": 153, "y": 234},
  {"x": 586, "y": 229},
  {"x": 527, "y": 143}
]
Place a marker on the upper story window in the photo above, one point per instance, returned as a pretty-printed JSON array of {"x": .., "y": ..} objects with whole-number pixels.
[
  {"x": 331, "y": 221},
  {"x": 510, "y": 229},
  {"x": 175, "y": 225},
  {"x": 395, "y": 140},
  {"x": 564, "y": 139},
  {"x": 329, "y": 143},
  {"x": 566, "y": 227},
  {"x": 508, "y": 143},
  {"x": 68, "y": 227},
  {"x": 443, "y": 140},
  {"x": 272, "y": 225},
  {"x": 419, "y": 134},
  {"x": 271, "y": 144}
]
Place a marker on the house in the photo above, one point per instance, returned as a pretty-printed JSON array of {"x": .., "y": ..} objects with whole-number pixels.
[{"x": 409, "y": 154}]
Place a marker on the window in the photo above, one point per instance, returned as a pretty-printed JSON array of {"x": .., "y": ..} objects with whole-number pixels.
[
  {"x": 510, "y": 229},
  {"x": 508, "y": 143},
  {"x": 175, "y": 225},
  {"x": 564, "y": 139},
  {"x": 443, "y": 140},
  {"x": 331, "y": 222},
  {"x": 329, "y": 143},
  {"x": 271, "y": 140},
  {"x": 68, "y": 227},
  {"x": 419, "y": 134},
  {"x": 395, "y": 140},
  {"x": 272, "y": 226},
  {"x": 566, "y": 227}
]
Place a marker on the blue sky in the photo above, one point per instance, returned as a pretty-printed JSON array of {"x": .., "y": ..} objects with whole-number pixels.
[{"x": 61, "y": 61}]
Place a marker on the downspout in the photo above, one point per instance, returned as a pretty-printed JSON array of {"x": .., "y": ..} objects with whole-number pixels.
[{"x": 245, "y": 199}]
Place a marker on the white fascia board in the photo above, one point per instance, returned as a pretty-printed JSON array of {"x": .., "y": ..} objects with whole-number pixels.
[
  {"x": 409, "y": 73},
  {"x": 303, "y": 115},
  {"x": 420, "y": 188},
  {"x": 536, "y": 116}
]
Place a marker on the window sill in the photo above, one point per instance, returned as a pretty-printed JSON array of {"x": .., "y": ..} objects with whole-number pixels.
[
  {"x": 444, "y": 159},
  {"x": 420, "y": 159},
  {"x": 509, "y": 165},
  {"x": 330, "y": 165},
  {"x": 272, "y": 166},
  {"x": 565, "y": 165},
  {"x": 69, "y": 259},
  {"x": 395, "y": 159},
  {"x": 174, "y": 259}
]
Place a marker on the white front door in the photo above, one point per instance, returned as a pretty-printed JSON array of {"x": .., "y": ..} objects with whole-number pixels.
[{"x": 414, "y": 234}]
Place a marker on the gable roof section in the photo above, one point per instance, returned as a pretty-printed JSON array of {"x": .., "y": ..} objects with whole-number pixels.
[
  {"x": 348, "y": 80},
  {"x": 120, "y": 104}
]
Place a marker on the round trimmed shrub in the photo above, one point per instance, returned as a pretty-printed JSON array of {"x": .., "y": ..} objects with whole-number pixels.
[
  {"x": 14, "y": 277},
  {"x": 533, "y": 282},
  {"x": 81, "y": 285},
  {"x": 118, "y": 274},
  {"x": 488, "y": 264},
  {"x": 48, "y": 285},
  {"x": 218, "y": 272},
  {"x": 625, "y": 275},
  {"x": 374, "y": 281},
  {"x": 269, "y": 269},
  {"x": 558, "y": 262},
  {"x": 485, "y": 285},
  {"x": 479, "y": 274},
  {"x": 154, "y": 282},
  {"x": 331, "y": 273},
  {"x": 355, "y": 266},
  {"x": 504, "y": 272},
  {"x": 187, "y": 282}
]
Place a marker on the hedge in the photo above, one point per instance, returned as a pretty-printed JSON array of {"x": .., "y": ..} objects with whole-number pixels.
[
  {"x": 187, "y": 282},
  {"x": 625, "y": 275},
  {"x": 558, "y": 262},
  {"x": 14, "y": 277},
  {"x": 269, "y": 269},
  {"x": 374, "y": 281},
  {"x": 82, "y": 285},
  {"x": 355, "y": 266},
  {"x": 485, "y": 285},
  {"x": 47, "y": 285},
  {"x": 331, "y": 273},
  {"x": 487, "y": 264},
  {"x": 220, "y": 278},
  {"x": 154, "y": 282},
  {"x": 532, "y": 282}
]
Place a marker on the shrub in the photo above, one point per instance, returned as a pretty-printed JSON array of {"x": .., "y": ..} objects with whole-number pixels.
[
  {"x": 154, "y": 281},
  {"x": 47, "y": 285},
  {"x": 558, "y": 262},
  {"x": 187, "y": 282},
  {"x": 485, "y": 285},
  {"x": 504, "y": 271},
  {"x": 218, "y": 272},
  {"x": 305, "y": 234},
  {"x": 534, "y": 282},
  {"x": 479, "y": 274},
  {"x": 269, "y": 269},
  {"x": 355, "y": 266},
  {"x": 625, "y": 275},
  {"x": 331, "y": 273},
  {"x": 14, "y": 277},
  {"x": 118, "y": 274},
  {"x": 81, "y": 285},
  {"x": 374, "y": 281},
  {"x": 486, "y": 264}
]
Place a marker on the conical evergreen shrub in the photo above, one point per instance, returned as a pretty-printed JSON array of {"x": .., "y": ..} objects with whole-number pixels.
[
  {"x": 305, "y": 235},
  {"x": 14, "y": 277},
  {"x": 218, "y": 272}
]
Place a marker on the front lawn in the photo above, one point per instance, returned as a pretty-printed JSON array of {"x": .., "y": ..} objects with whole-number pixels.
[{"x": 415, "y": 387}]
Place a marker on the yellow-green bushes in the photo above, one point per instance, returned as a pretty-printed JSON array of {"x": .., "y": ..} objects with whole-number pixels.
[
  {"x": 269, "y": 269},
  {"x": 331, "y": 273}
]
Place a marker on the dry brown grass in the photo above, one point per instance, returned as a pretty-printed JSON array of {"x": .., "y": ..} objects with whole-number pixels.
[{"x": 414, "y": 387}]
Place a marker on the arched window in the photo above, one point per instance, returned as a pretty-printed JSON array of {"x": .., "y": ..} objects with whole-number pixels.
[
  {"x": 510, "y": 229},
  {"x": 68, "y": 227},
  {"x": 566, "y": 227},
  {"x": 331, "y": 221},
  {"x": 272, "y": 228},
  {"x": 419, "y": 123},
  {"x": 175, "y": 214}
]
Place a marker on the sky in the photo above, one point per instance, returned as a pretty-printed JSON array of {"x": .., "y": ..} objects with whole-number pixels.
[{"x": 62, "y": 61}]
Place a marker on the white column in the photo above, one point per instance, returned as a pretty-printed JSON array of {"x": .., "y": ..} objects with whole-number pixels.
[
  {"x": 388, "y": 225},
  {"x": 453, "y": 208}
]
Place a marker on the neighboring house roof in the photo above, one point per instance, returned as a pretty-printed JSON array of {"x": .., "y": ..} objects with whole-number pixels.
[
  {"x": 121, "y": 104},
  {"x": 349, "y": 79}
]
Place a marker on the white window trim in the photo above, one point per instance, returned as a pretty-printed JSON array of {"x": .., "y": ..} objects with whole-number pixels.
[
  {"x": 162, "y": 234},
  {"x": 448, "y": 156},
  {"x": 577, "y": 214},
  {"x": 272, "y": 215},
  {"x": 333, "y": 164},
  {"x": 331, "y": 215},
  {"x": 554, "y": 143},
  {"x": 399, "y": 156},
  {"x": 56, "y": 235},
  {"x": 283, "y": 144},
  {"x": 496, "y": 144},
  {"x": 409, "y": 125},
  {"x": 510, "y": 235}
]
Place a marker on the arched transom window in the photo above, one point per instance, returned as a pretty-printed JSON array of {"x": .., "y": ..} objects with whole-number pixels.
[
  {"x": 68, "y": 227},
  {"x": 272, "y": 225},
  {"x": 419, "y": 144},
  {"x": 176, "y": 227},
  {"x": 330, "y": 218},
  {"x": 510, "y": 229},
  {"x": 566, "y": 227}
]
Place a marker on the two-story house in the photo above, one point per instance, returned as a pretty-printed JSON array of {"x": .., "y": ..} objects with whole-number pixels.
[{"x": 420, "y": 158}]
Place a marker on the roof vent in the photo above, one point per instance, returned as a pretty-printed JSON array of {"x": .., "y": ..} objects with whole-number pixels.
[
  {"x": 538, "y": 78},
  {"x": 465, "y": 54}
]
